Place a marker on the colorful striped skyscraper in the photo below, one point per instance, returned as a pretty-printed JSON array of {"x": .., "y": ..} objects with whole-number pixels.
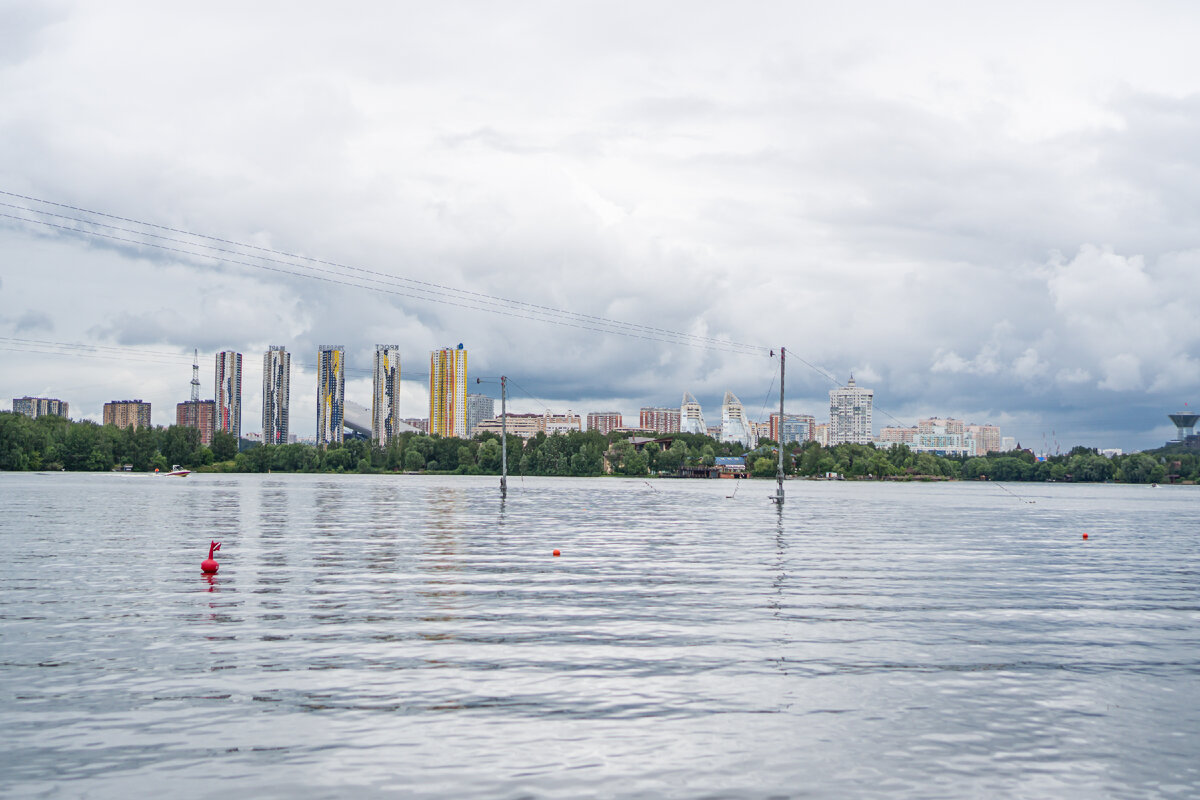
[
  {"x": 277, "y": 385},
  {"x": 228, "y": 393},
  {"x": 448, "y": 392},
  {"x": 385, "y": 403},
  {"x": 331, "y": 393}
]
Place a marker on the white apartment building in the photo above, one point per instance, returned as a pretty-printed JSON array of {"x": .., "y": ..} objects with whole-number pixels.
[{"x": 850, "y": 410}]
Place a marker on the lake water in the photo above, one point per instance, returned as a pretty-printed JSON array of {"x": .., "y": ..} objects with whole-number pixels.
[{"x": 412, "y": 636}]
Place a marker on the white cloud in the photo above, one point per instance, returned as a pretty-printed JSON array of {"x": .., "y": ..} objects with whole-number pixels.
[{"x": 857, "y": 184}]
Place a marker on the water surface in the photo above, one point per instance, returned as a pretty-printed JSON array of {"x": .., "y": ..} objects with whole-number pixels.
[{"x": 413, "y": 636}]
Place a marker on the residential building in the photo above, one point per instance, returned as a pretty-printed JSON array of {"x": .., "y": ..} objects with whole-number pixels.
[
  {"x": 561, "y": 423},
  {"x": 479, "y": 408},
  {"x": 277, "y": 371},
  {"x": 606, "y": 421},
  {"x": 761, "y": 430},
  {"x": 201, "y": 414},
  {"x": 691, "y": 418},
  {"x": 228, "y": 393},
  {"x": 850, "y": 409},
  {"x": 660, "y": 420},
  {"x": 385, "y": 395},
  {"x": 40, "y": 407},
  {"x": 127, "y": 414},
  {"x": 821, "y": 434},
  {"x": 1008, "y": 444},
  {"x": 420, "y": 423},
  {"x": 944, "y": 437},
  {"x": 529, "y": 425},
  {"x": 525, "y": 426},
  {"x": 948, "y": 426},
  {"x": 448, "y": 392},
  {"x": 735, "y": 427},
  {"x": 987, "y": 438},
  {"x": 713, "y": 432},
  {"x": 331, "y": 393},
  {"x": 797, "y": 428},
  {"x": 892, "y": 436}
]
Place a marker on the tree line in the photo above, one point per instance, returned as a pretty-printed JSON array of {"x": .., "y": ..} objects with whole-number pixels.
[{"x": 56, "y": 443}]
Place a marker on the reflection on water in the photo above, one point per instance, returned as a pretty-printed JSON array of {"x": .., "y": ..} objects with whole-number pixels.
[{"x": 371, "y": 635}]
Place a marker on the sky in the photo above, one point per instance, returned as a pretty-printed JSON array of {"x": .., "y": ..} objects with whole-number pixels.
[{"x": 981, "y": 211}]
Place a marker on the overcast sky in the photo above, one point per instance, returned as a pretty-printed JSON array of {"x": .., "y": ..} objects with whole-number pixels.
[{"x": 985, "y": 214}]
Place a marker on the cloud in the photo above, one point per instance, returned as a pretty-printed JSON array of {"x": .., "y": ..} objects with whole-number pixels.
[
  {"x": 857, "y": 185},
  {"x": 33, "y": 322}
]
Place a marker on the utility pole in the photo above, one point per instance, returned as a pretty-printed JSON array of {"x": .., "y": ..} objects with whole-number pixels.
[
  {"x": 503, "y": 436},
  {"x": 779, "y": 431}
]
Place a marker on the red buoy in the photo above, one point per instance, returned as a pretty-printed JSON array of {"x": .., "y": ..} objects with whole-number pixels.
[
  {"x": 1085, "y": 536},
  {"x": 557, "y": 553},
  {"x": 210, "y": 565}
]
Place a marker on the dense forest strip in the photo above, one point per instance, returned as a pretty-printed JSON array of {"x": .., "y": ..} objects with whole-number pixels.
[{"x": 55, "y": 443}]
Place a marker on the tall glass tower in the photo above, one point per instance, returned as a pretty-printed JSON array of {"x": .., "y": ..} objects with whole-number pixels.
[
  {"x": 331, "y": 393},
  {"x": 228, "y": 393},
  {"x": 385, "y": 403},
  {"x": 448, "y": 392},
  {"x": 277, "y": 371}
]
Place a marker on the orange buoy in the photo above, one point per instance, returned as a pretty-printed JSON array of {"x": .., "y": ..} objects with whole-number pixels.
[
  {"x": 1085, "y": 536},
  {"x": 557, "y": 553}
]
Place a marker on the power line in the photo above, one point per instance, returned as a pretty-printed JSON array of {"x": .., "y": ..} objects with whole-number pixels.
[{"x": 425, "y": 290}]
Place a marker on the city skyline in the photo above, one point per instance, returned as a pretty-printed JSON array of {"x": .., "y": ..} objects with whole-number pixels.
[
  {"x": 850, "y": 411},
  {"x": 972, "y": 228}
]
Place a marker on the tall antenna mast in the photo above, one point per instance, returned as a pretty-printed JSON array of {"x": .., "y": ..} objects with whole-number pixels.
[{"x": 196, "y": 376}]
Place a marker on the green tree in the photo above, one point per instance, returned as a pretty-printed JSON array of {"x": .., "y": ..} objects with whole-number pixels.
[
  {"x": 224, "y": 446},
  {"x": 764, "y": 467},
  {"x": 413, "y": 460}
]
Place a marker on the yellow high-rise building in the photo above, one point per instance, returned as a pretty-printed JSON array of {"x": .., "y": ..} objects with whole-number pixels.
[{"x": 448, "y": 392}]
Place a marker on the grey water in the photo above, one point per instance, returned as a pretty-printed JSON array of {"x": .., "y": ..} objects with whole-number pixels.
[{"x": 413, "y": 636}]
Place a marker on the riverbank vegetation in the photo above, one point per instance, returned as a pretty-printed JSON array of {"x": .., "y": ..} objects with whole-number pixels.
[{"x": 55, "y": 443}]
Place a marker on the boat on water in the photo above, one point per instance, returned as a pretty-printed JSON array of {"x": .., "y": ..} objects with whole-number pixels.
[{"x": 178, "y": 472}]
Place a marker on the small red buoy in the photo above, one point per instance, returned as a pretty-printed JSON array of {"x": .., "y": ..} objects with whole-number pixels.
[
  {"x": 1085, "y": 536},
  {"x": 557, "y": 553},
  {"x": 210, "y": 565}
]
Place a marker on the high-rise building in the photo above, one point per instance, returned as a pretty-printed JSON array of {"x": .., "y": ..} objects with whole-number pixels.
[
  {"x": 127, "y": 414},
  {"x": 659, "y": 420},
  {"x": 331, "y": 393},
  {"x": 228, "y": 393},
  {"x": 850, "y": 410},
  {"x": 40, "y": 407},
  {"x": 199, "y": 414},
  {"x": 821, "y": 434},
  {"x": 448, "y": 392},
  {"x": 604, "y": 421},
  {"x": 385, "y": 402},
  {"x": 796, "y": 428},
  {"x": 987, "y": 438},
  {"x": 277, "y": 370},
  {"x": 691, "y": 418},
  {"x": 479, "y": 408},
  {"x": 735, "y": 427}
]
